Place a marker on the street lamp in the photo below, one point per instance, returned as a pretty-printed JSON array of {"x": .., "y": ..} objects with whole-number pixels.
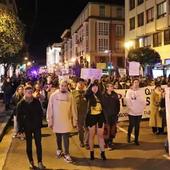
[
  {"x": 25, "y": 58},
  {"x": 129, "y": 44},
  {"x": 110, "y": 66},
  {"x": 29, "y": 63},
  {"x": 109, "y": 52}
]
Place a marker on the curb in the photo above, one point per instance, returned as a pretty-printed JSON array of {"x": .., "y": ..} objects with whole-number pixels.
[
  {"x": 6, "y": 143},
  {"x": 7, "y": 139},
  {"x": 4, "y": 125}
]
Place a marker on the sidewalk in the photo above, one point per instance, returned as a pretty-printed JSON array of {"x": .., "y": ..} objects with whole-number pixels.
[
  {"x": 5, "y": 139},
  {"x": 5, "y": 117}
]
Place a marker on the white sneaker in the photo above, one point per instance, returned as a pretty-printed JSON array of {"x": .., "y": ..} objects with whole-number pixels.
[
  {"x": 59, "y": 153},
  {"x": 67, "y": 158}
]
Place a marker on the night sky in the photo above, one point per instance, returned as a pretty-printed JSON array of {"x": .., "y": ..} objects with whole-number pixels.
[{"x": 46, "y": 20}]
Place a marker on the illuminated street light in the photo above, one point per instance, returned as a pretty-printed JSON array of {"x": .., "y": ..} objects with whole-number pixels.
[
  {"x": 129, "y": 44},
  {"x": 109, "y": 52},
  {"x": 26, "y": 58},
  {"x": 29, "y": 63}
]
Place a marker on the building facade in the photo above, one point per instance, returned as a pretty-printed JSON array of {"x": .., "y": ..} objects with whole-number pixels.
[
  {"x": 147, "y": 25},
  {"x": 53, "y": 57},
  {"x": 96, "y": 37}
]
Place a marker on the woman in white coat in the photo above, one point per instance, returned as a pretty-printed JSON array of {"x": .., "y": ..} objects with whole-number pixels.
[
  {"x": 136, "y": 103},
  {"x": 62, "y": 117}
]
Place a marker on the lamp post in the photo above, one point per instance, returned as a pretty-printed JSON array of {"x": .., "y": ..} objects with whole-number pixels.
[
  {"x": 110, "y": 66},
  {"x": 128, "y": 45}
]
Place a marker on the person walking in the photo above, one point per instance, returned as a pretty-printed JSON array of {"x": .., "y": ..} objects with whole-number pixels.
[
  {"x": 136, "y": 103},
  {"x": 29, "y": 116},
  {"x": 81, "y": 103},
  {"x": 111, "y": 108},
  {"x": 95, "y": 119},
  {"x": 62, "y": 117},
  {"x": 18, "y": 95},
  {"x": 7, "y": 88}
]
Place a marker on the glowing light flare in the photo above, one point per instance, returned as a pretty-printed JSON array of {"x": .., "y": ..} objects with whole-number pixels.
[{"x": 129, "y": 44}]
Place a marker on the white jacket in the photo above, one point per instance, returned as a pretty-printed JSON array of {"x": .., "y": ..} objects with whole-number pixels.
[
  {"x": 135, "y": 100},
  {"x": 61, "y": 112}
]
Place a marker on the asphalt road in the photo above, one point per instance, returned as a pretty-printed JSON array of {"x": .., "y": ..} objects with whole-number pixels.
[{"x": 150, "y": 155}]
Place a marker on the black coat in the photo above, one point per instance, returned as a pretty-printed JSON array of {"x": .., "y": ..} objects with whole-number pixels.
[
  {"x": 29, "y": 115},
  {"x": 15, "y": 101},
  {"x": 111, "y": 107}
]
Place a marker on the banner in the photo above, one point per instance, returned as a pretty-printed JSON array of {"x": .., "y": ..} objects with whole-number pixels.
[
  {"x": 123, "y": 115},
  {"x": 91, "y": 73}
]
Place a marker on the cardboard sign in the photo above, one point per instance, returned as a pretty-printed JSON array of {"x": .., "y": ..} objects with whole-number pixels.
[
  {"x": 134, "y": 68},
  {"x": 90, "y": 73},
  {"x": 101, "y": 65},
  {"x": 122, "y": 72}
]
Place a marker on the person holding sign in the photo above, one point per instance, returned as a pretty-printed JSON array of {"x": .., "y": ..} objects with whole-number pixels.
[
  {"x": 136, "y": 104},
  {"x": 95, "y": 118}
]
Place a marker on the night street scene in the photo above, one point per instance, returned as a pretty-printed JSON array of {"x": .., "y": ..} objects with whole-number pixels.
[{"x": 84, "y": 84}]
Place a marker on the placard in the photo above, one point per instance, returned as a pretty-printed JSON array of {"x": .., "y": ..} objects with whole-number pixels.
[
  {"x": 90, "y": 73},
  {"x": 134, "y": 68}
]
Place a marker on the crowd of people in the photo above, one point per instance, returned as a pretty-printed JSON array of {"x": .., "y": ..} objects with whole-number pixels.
[{"x": 91, "y": 106}]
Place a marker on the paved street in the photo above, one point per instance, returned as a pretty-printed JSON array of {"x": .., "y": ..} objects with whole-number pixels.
[{"x": 148, "y": 156}]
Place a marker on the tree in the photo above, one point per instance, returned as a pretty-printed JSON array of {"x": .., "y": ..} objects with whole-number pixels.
[
  {"x": 145, "y": 56},
  {"x": 11, "y": 37}
]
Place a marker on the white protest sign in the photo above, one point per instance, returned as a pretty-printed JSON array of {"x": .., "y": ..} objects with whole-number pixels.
[
  {"x": 167, "y": 101},
  {"x": 122, "y": 72},
  {"x": 134, "y": 68},
  {"x": 90, "y": 73}
]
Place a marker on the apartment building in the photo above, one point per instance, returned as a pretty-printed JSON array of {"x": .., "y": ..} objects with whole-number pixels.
[
  {"x": 96, "y": 37},
  {"x": 148, "y": 25},
  {"x": 53, "y": 57}
]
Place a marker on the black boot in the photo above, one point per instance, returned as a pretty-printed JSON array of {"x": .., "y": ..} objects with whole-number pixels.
[
  {"x": 128, "y": 138},
  {"x": 91, "y": 155},
  {"x": 103, "y": 157},
  {"x": 137, "y": 142}
]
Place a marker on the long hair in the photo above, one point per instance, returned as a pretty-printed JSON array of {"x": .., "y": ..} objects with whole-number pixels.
[{"x": 92, "y": 98}]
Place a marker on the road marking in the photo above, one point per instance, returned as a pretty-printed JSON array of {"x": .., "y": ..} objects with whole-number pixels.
[{"x": 125, "y": 131}]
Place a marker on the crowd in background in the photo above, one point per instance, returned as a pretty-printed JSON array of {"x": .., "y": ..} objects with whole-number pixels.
[{"x": 96, "y": 104}]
